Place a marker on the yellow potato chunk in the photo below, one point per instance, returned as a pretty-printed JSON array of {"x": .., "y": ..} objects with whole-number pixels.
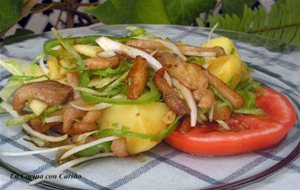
[
  {"x": 145, "y": 118},
  {"x": 227, "y": 68},
  {"x": 87, "y": 50},
  {"x": 223, "y": 42},
  {"x": 53, "y": 68}
]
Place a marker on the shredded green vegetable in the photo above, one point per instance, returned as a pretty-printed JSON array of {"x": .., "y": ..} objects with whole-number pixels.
[
  {"x": 20, "y": 120},
  {"x": 247, "y": 90},
  {"x": 122, "y": 131},
  {"x": 70, "y": 50},
  {"x": 138, "y": 32},
  {"x": 91, "y": 40},
  {"x": 116, "y": 82},
  {"x": 150, "y": 96},
  {"x": 124, "y": 66},
  {"x": 196, "y": 59},
  {"x": 24, "y": 118},
  {"x": 103, "y": 147},
  {"x": 12, "y": 66},
  {"x": 53, "y": 109},
  {"x": 24, "y": 78},
  {"x": 253, "y": 111},
  {"x": 9, "y": 89},
  {"x": 20, "y": 67},
  {"x": 99, "y": 83},
  {"x": 49, "y": 111},
  {"x": 220, "y": 96}
]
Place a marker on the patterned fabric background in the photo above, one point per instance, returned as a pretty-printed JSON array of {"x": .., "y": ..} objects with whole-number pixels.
[{"x": 42, "y": 22}]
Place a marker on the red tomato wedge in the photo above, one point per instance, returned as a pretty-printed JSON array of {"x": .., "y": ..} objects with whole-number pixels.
[{"x": 247, "y": 132}]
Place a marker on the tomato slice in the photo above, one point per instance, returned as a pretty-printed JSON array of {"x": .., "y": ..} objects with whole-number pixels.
[{"x": 247, "y": 132}]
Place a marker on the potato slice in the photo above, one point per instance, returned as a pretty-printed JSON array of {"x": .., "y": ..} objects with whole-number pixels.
[
  {"x": 228, "y": 68},
  {"x": 223, "y": 42},
  {"x": 53, "y": 68},
  {"x": 146, "y": 118}
]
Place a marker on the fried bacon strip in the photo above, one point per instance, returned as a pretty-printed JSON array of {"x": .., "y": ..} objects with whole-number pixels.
[
  {"x": 188, "y": 74},
  {"x": 195, "y": 50},
  {"x": 205, "y": 99},
  {"x": 73, "y": 79},
  {"x": 38, "y": 125},
  {"x": 191, "y": 76},
  {"x": 137, "y": 78},
  {"x": 235, "y": 98},
  {"x": 76, "y": 121},
  {"x": 197, "y": 78},
  {"x": 222, "y": 113},
  {"x": 87, "y": 124},
  {"x": 91, "y": 116},
  {"x": 98, "y": 63},
  {"x": 147, "y": 45},
  {"x": 118, "y": 147},
  {"x": 80, "y": 127},
  {"x": 69, "y": 116},
  {"x": 173, "y": 101},
  {"x": 151, "y": 45}
]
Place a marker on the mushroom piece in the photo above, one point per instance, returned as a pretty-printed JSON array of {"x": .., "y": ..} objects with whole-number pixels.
[{"x": 48, "y": 91}]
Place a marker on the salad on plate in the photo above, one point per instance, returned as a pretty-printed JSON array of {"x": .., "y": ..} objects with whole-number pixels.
[{"x": 97, "y": 96}]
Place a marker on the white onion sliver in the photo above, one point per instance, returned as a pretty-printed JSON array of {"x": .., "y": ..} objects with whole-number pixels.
[
  {"x": 55, "y": 48},
  {"x": 57, "y": 118},
  {"x": 99, "y": 106},
  {"x": 154, "y": 52},
  {"x": 142, "y": 37},
  {"x": 211, "y": 32},
  {"x": 29, "y": 130},
  {"x": 87, "y": 145},
  {"x": 8, "y": 67},
  {"x": 171, "y": 47},
  {"x": 80, "y": 139},
  {"x": 205, "y": 65},
  {"x": 47, "y": 138},
  {"x": 41, "y": 151},
  {"x": 43, "y": 67},
  {"x": 200, "y": 54},
  {"x": 106, "y": 54},
  {"x": 67, "y": 165},
  {"x": 35, "y": 141},
  {"x": 223, "y": 124},
  {"x": 108, "y": 44},
  {"x": 87, "y": 90},
  {"x": 187, "y": 95}
]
